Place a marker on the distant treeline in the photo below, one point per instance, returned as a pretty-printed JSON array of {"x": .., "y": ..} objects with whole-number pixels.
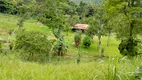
[
  {"x": 71, "y": 7},
  {"x": 7, "y": 7}
]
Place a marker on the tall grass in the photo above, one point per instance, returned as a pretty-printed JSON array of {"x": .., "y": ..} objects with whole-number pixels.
[{"x": 111, "y": 69}]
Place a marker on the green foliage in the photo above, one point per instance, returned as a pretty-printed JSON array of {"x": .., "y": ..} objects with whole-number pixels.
[
  {"x": 128, "y": 47},
  {"x": 26, "y": 6},
  {"x": 17, "y": 6},
  {"x": 91, "y": 31},
  {"x": 113, "y": 73},
  {"x": 60, "y": 48},
  {"x": 33, "y": 44},
  {"x": 87, "y": 41},
  {"x": 97, "y": 22},
  {"x": 70, "y": 8},
  {"x": 90, "y": 12},
  {"x": 23, "y": 18},
  {"x": 81, "y": 9},
  {"x": 97, "y": 25},
  {"x": 52, "y": 15},
  {"x": 77, "y": 38},
  {"x": 72, "y": 20},
  {"x": 127, "y": 15},
  {"x": 6, "y": 6}
]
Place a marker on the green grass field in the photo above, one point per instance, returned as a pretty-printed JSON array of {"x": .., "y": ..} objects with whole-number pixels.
[
  {"x": 110, "y": 69},
  {"x": 115, "y": 67},
  {"x": 9, "y": 22}
]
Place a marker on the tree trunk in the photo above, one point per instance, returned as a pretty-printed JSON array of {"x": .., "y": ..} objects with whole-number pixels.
[
  {"x": 7, "y": 44},
  {"x": 131, "y": 29},
  {"x": 108, "y": 39},
  {"x": 99, "y": 45}
]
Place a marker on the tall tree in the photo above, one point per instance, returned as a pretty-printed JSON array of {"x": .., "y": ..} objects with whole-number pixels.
[
  {"x": 109, "y": 27},
  {"x": 25, "y": 10},
  {"x": 53, "y": 16},
  {"x": 97, "y": 25},
  {"x": 90, "y": 11},
  {"x": 129, "y": 20},
  {"x": 81, "y": 9}
]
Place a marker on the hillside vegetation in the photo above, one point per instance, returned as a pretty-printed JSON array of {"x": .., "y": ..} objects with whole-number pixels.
[
  {"x": 70, "y": 40},
  {"x": 9, "y": 22},
  {"x": 13, "y": 68}
]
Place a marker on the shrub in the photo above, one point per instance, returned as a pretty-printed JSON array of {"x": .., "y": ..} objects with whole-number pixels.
[
  {"x": 87, "y": 41},
  {"x": 34, "y": 45},
  {"x": 128, "y": 47},
  {"x": 77, "y": 38},
  {"x": 60, "y": 48}
]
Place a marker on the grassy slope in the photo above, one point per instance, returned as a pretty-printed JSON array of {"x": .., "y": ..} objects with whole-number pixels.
[
  {"x": 12, "y": 68},
  {"x": 9, "y": 22},
  {"x": 112, "y": 50}
]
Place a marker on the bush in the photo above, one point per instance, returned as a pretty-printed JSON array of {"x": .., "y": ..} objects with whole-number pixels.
[
  {"x": 77, "y": 38},
  {"x": 34, "y": 45},
  {"x": 128, "y": 47},
  {"x": 60, "y": 48},
  {"x": 87, "y": 41}
]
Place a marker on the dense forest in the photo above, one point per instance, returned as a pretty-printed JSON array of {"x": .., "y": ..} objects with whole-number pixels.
[{"x": 70, "y": 39}]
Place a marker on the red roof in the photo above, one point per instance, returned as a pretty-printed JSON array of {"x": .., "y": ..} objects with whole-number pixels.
[{"x": 81, "y": 26}]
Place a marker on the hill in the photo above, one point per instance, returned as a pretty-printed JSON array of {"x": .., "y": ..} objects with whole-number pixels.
[{"x": 9, "y": 22}]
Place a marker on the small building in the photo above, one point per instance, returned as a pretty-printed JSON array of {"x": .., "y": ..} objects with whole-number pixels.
[{"x": 82, "y": 27}]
